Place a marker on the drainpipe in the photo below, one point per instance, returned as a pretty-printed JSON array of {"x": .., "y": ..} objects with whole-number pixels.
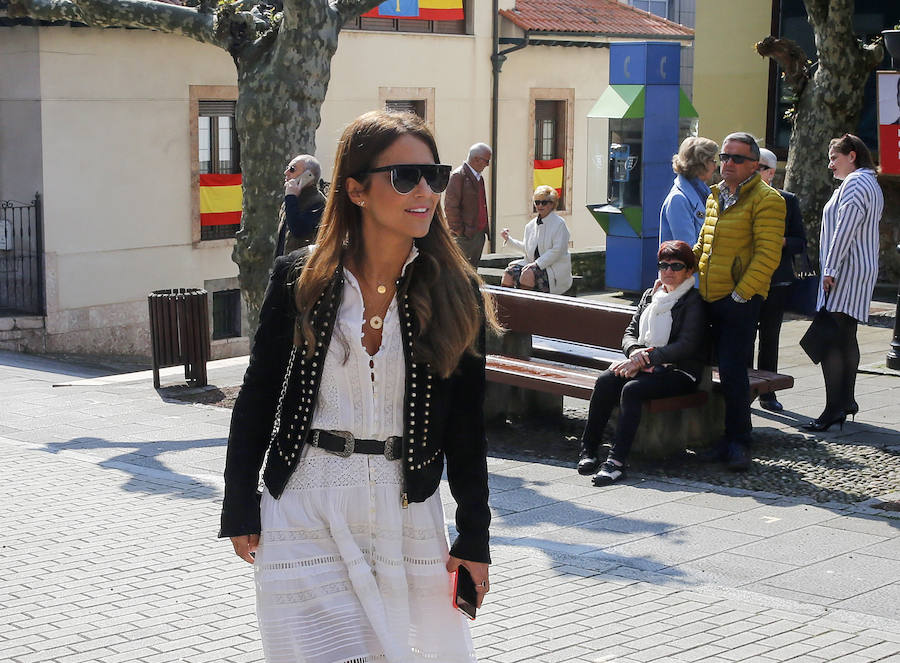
[{"x": 498, "y": 57}]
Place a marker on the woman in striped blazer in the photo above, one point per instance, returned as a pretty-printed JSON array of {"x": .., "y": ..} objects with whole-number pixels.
[{"x": 848, "y": 255}]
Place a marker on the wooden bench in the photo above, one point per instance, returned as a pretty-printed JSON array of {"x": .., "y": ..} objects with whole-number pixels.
[
  {"x": 556, "y": 346},
  {"x": 494, "y": 275}
]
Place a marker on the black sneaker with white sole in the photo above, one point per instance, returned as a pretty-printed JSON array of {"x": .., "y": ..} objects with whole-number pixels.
[{"x": 609, "y": 473}]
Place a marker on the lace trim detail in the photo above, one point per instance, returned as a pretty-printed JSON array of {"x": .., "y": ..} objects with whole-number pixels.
[
  {"x": 301, "y": 563},
  {"x": 320, "y": 469},
  {"x": 319, "y": 534},
  {"x": 302, "y": 596}
]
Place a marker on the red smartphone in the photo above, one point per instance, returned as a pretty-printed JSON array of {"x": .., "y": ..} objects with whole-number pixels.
[{"x": 464, "y": 596}]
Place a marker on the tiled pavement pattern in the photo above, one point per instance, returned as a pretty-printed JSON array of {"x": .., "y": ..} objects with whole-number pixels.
[{"x": 110, "y": 507}]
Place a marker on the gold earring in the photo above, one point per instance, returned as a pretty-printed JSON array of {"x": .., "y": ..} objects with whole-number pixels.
[{"x": 361, "y": 203}]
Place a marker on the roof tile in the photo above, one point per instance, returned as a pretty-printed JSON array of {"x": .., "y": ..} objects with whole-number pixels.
[{"x": 591, "y": 16}]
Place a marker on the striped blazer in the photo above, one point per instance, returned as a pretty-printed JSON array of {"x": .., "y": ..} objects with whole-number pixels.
[{"x": 848, "y": 244}]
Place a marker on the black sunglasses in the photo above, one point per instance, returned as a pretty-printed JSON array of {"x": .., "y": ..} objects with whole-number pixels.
[
  {"x": 405, "y": 176},
  {"x": 674, "y": 266},
  {"x": 540, "y": 203},
  {"x": 737, "y": 158}
]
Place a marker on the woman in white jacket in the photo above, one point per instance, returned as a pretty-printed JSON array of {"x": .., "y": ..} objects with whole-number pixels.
[{"x": 547, "y": 266}]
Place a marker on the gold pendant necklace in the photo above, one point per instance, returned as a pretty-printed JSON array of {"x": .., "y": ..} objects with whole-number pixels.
[{"x": 376, "y": 322}]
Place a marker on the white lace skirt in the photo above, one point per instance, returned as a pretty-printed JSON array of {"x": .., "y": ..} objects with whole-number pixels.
[{"x": 345, "y": 575}]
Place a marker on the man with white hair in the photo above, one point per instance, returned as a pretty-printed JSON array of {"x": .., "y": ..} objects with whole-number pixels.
[
  {"x": 298, "y": 222},
  {"x": 465, "y": 203}
]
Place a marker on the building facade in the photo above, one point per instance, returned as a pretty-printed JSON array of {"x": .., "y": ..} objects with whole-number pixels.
[{"x": 115, "y": 129}]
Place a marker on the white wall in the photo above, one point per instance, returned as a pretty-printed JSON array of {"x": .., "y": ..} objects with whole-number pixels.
[
  {"x": 113, "y": 126},
  {"x": 117, "y": 198},
  {"x": 587, "y": 71},
  {"x": 20, "y": 114}
]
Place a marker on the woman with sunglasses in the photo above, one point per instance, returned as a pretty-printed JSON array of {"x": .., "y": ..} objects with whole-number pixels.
[
  {"x": 664, "y": 345},
  {"x": 547, "y": 266},
  {"x": 366, "y": 373},
  {"x": 848, "y": 257}
]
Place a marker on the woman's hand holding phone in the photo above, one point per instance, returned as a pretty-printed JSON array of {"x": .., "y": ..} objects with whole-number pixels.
[{"x": 478, "y": 572}]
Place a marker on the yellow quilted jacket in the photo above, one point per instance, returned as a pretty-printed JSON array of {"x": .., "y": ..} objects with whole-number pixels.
[{"x": 740, "y": 249}]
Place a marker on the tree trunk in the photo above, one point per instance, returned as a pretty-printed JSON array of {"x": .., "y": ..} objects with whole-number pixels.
[
  {"x": 283, "y": 63},
  {"x": 281, "y": 91},
  {"x": 827, "y": 106}
]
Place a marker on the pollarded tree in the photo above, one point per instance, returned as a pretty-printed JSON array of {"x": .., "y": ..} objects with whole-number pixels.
[
  {"x": 829, "y": 98},
  {"x": 283, "y": 57}
]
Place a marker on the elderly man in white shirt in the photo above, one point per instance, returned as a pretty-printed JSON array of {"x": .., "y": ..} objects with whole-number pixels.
[{"x": 547, "y": 266}]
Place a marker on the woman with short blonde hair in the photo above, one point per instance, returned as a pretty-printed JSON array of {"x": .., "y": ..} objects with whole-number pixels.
[
  {"x": 684, "y": 209},
  {"x": 547, "y": 266}
]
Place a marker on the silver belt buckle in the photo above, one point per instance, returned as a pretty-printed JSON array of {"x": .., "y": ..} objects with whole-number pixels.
[
  {"x": 389, "y": 448},
  {"x": 348, "y": 442}
]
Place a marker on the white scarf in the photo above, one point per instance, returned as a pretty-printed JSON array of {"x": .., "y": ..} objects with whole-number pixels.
[{"x": 655, "y": 323}]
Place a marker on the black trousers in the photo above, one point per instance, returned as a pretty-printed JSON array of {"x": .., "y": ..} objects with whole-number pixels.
[
  {"x": 733, "y": 327},
  {"x": 839, "y": 366},
  {"x": 629, "y": 394},
  {"x": 771, "y": 315}
]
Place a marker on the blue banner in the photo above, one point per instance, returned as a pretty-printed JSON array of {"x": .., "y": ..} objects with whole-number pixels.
[{"x": 399, "y": 9}]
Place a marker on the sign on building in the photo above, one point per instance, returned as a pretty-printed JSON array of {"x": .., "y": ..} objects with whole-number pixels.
[{"x": 889, "y": 121}]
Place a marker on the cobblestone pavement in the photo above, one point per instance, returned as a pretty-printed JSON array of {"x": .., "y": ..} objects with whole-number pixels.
[{"x": 111, "y": 498}]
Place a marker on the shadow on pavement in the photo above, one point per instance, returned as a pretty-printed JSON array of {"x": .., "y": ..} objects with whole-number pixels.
[{"x": 145, "y": 456}]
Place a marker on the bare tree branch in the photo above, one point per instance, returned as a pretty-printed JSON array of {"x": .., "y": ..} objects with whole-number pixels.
[
  {"x": 160, "y": 16},
  {"x": 790, "y": 56},
  {"x": 348, "y": 9}
]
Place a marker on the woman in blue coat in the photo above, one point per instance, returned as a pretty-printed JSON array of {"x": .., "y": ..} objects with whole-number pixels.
[{"x": 684, "y": 209}]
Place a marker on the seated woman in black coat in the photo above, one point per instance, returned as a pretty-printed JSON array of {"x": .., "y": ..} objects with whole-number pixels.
[{"x": 664, "y": 345}]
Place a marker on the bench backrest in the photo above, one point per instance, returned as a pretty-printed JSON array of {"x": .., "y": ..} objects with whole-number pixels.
[{"x": 560, "y": 317}]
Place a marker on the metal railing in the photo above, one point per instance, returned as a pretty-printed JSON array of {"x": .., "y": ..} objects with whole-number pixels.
[{"x": 21, "y": 258}]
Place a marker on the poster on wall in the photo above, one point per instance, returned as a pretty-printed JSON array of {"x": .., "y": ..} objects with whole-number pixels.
[{"x": 889, "y": 121}]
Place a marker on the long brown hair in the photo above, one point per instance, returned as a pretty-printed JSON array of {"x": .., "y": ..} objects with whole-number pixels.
[{"x": 440, "y": 283}]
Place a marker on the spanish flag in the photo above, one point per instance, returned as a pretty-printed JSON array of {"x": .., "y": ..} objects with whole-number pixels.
[
  {"x": 220, "y": 199},
  {"x": 549, "y": 172},
  {"x": 428, "y": 10}
]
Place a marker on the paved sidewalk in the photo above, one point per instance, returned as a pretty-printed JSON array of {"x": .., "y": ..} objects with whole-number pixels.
[{"x": 111, "y": 499}]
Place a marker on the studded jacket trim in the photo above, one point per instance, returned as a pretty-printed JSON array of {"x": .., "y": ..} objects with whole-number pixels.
[{"x": 442, "y": 417}]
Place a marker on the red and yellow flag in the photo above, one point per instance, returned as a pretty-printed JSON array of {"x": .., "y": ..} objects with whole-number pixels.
[
  {"x": 429, "y": 10},
  {"x": 549, "y": 172},
  {"x": 220, "y": 199}
]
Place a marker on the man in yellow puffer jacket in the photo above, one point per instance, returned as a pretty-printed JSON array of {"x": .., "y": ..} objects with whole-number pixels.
[{"x": 738, "y": 250}]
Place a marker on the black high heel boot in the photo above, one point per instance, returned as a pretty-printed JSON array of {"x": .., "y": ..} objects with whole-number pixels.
[
  {"x": 853, "y": 409},
  {"x": 826, "y": 421}
]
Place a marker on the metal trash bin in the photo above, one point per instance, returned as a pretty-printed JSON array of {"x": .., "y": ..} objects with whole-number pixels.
[{"x": 179, "y": 332}]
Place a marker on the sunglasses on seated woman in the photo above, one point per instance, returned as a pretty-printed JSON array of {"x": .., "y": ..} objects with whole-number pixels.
[
  {"x": 406, "y": 176},
  {"x": 674, "y": 266}
]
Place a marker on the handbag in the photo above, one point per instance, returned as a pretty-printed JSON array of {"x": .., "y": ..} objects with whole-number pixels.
[
  {"x": 823, "y": 333},
  {"x": 804, "y": 289}
]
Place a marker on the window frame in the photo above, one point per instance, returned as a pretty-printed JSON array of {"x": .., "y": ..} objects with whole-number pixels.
[
  {"x": 412, "y": 25},
  {"x": 414, "y": 94},
  {"x": 196, "y": 94},
  {"x": 231, "y": 297},
  {"x": 566, "y": 142}
]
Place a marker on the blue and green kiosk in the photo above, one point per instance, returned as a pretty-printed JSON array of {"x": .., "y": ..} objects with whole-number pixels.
[{"x": 634, "y": 129}]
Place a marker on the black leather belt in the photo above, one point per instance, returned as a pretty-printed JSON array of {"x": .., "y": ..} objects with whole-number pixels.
[{"x": 343, "y": 444}]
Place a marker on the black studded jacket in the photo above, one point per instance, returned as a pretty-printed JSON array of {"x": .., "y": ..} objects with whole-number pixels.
[{"x": 442, "y": 417}]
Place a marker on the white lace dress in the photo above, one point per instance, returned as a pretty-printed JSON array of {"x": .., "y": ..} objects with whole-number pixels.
[{"x": 343, "y": 573}]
